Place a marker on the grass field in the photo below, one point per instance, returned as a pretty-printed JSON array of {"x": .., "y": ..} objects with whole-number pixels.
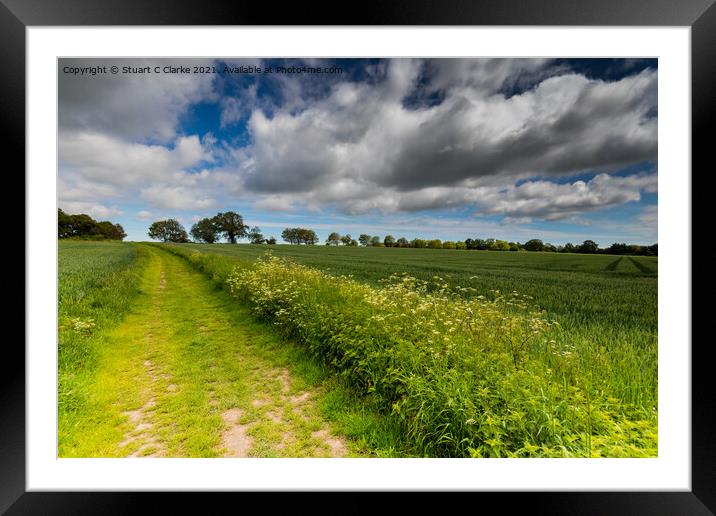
[
  {"x": 328, "y": 355},
  {"x": 606, "y": 307},
  {"x": 602, "y": 301},
  {"x": 583, "y": 288},
  {"x": 97, "y": 283}
]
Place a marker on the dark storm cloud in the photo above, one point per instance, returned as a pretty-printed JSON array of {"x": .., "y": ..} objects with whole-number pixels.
[{"x": 136, "y": 107}]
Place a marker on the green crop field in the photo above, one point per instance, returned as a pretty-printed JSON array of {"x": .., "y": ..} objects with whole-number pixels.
[
  {"x": 404, "y": 352},
  {"x": 581, "y": 288},
  {"x": 97, "y": 282},
  {"x": 605, "y": 307}
]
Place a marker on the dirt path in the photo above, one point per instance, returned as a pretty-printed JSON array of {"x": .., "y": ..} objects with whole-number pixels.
[{"x": 191, "y": 378}]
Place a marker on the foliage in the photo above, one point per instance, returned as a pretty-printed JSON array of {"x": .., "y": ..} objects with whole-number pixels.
[
  {"x": 85, "y": 227},
  {"x": 466, "y": 374},
  {"x": 206, "y": 230},
  {"x": 255, "y": 236},
  {"x": 231, "y": 225},
  {"x": 169, "y": 230},
  {"x": 299, "y": 236}
]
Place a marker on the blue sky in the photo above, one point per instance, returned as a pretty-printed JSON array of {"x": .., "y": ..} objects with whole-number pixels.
[{"x": 558, "y": 149}]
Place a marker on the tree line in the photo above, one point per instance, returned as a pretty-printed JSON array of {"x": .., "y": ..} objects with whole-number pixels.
[
  {"x": 231, "y": 226},
  {"x": 209, "y": 230},
  {"x": 492, "y": 244},
  {"x": 84, "y": 227}
]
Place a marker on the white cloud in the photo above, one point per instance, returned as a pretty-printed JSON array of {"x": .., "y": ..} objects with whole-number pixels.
[
  {"x": 95, "y": 210},
  {"x": 552, "y": 201},
  {"x": 175, "y": 198}
]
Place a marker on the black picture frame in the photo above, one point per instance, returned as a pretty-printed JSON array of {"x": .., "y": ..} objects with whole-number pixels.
[{"x": 17, "y": 15}]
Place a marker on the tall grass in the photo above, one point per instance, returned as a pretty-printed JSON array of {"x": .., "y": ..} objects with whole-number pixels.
[
  {"x": 608, "y": 312},
  {"x": 96, "y": 284},
  {"x": 466, "y": 374}
]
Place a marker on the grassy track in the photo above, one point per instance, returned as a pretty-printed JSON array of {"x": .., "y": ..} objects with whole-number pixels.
[
  {"x": 458, "y": 393},
  {"x": 155, "y": 360},
  {"x": 188, "y": 374},
  {"x": 605, "y": 304}
]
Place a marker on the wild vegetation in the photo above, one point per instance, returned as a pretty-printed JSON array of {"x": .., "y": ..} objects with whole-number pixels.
[
  {"x": 97, "y": 283},
  {"x": 469, "y": 370}
]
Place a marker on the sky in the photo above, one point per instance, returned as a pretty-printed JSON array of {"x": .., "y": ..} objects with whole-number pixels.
[{"x": 562, "y": 150}]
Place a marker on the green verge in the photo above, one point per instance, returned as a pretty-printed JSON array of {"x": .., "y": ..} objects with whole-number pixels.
[
  {"x": 512, "y": 386},
  {"x": 612, "y": 311},
  {"x": 97, "y": 284}
]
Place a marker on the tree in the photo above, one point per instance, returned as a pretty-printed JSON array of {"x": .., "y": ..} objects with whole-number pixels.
[
  {"x": 435, "y": 244},
  {"x": 588, "y": 246},
  {"x": 364, "y": 239},
  {"x": 568, "y": 248},
  {"x": 375, "y": 241},
  {"x": 64, "y": 224},
  {"x": 418, "y": 243},
  {"x": 110, "y": 231},
  {"x": 85, "y": 227},
  {"x": 499, "y": 245},
  {"x": 289, "y": 235},
  {"x": 255, "y": 236},
  {"x": 205, "y": 230},
  {"x": 448, "y": 244},
  {"x": 168, "y": 231},
  {"x": 271, "y": 241},
  {"x": 479, "y": 244},
  {"x": 402, "y": 242},
  {"x": 308, "y": 236},
  {"x": 460, "y": 245},
  {"x": 333, "y": 239},
  {"x": 299, "y": 236},
  {"x": 534, "y": 245},
  {"x": 389, "y": 241},
  {"x": 231, "y": 225},
  {"x": 347, "y": 239}
]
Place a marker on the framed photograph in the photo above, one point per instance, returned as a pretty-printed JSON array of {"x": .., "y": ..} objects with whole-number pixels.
[{"x": 414, "y": 253}]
